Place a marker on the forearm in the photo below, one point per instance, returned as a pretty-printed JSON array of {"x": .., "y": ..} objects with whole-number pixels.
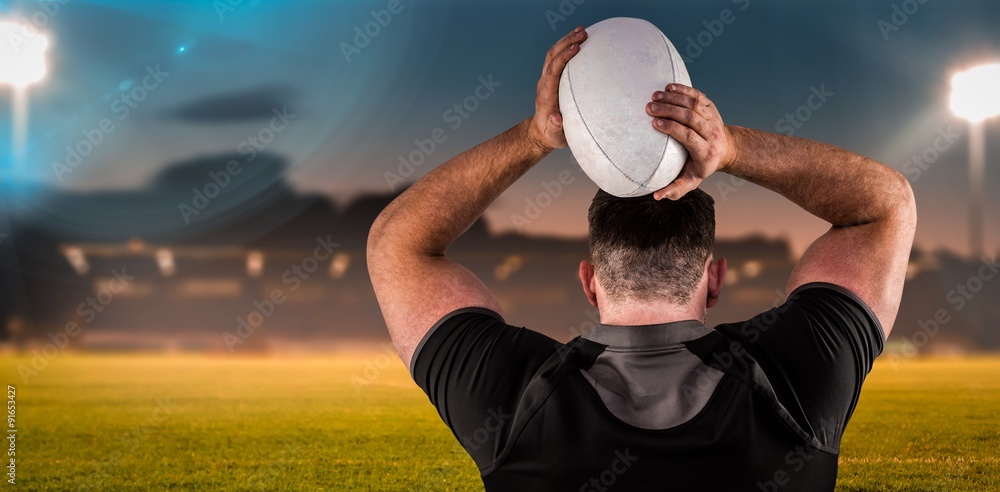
[
  {"x": 429, "y": 216},
  {"x": 834, "y": 184}
]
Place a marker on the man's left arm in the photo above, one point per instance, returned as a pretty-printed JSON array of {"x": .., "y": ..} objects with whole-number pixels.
[{"x": 415, "y": 283}]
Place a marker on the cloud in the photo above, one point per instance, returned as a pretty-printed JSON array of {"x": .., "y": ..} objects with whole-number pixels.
[{"x": 248, "y": 105}]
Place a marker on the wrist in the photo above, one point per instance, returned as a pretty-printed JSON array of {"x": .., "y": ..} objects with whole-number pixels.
[
  {"x": 734, "y": 139},
  {"x": 533, "y": 138}
]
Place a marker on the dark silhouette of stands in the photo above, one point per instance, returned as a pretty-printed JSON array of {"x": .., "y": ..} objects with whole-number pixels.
[{"x": 213, "y": 282}]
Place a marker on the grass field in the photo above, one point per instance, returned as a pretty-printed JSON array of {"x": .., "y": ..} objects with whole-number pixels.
[{"x": 126, "y": 422}]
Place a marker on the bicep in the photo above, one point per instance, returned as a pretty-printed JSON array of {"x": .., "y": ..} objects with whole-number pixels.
[
  {"x": 414, "y": 293},
  {"x": 870, "y": 260}
]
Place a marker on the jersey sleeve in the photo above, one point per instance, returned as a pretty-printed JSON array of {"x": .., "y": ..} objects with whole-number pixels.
[
  {"x": 474, "y": 368},
  {"x": 815, "y": 350}
]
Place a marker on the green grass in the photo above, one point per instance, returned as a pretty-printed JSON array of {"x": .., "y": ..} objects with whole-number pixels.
[
  {"x": 91, "y": 422},
  {"x": 927, "y": 425}
]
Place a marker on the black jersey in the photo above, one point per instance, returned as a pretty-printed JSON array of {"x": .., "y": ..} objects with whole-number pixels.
[{"x": 756, "y": 405}]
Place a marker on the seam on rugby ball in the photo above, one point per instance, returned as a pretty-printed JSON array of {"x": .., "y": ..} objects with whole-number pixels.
[
  {"x": 632, "y": 193},
  {"x": 673, "y": 76},
  {"x": 572, "y": 93}
]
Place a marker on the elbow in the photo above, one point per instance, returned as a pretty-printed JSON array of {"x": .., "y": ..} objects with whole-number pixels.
[
  {"x": 399, "y": 235},
  {"x": 389, "y": 240},
  {"x": 903, "y": 204},
  {"x": 375, "y": 246}
]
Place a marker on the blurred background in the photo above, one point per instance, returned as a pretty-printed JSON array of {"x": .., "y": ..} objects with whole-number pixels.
[{"x": 201, "y": 176}]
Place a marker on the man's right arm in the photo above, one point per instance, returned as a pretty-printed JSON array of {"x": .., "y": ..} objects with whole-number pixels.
[{"x": 869, "y": 206}]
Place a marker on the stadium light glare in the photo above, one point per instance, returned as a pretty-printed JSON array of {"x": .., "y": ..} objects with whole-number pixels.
[
  {"x": 974, "y": 97},
  {"x": 22, "y": 54},
  {"x": 974, "y": 92}
]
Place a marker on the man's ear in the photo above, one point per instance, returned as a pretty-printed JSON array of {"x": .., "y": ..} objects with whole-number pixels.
[
  {"x": 716, "y": 278},
  {"x": 589, "y": 282}
]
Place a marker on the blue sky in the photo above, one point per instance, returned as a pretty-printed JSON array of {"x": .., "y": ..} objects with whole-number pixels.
[{"x": 355, "y": 116}]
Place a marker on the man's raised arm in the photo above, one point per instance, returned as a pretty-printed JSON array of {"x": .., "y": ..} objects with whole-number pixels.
[
  {"x": 870, "y": 206},
  {"x": 414, "y": 282}
]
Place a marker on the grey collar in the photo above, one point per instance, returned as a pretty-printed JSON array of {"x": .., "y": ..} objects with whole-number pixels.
[{"x": 660, "y": 334}]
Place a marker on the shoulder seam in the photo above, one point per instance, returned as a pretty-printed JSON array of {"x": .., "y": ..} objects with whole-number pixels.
[
  {"x": 563, "y": 359},
  {"x": 850, "y": 294},
  {"x": 433, "y": 329}
]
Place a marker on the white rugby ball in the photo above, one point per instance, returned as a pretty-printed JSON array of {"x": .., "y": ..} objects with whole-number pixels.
[{"x": 603, "y": 94}]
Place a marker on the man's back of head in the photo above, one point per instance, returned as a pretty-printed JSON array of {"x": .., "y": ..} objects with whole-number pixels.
[{"x": 644, "y": 249}]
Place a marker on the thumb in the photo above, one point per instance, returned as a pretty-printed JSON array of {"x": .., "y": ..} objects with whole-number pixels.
[
  {"x": 556, "y": 120},
  {"x": 678, "y": 188}
]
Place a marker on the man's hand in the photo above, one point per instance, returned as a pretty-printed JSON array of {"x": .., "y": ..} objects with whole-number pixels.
[
  {"x": 546, "y": 129},
  {"x": 693, "y": 120}
]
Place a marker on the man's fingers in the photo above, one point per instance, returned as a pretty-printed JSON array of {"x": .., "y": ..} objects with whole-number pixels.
[
  {"x": 679, "y": 187},
  {"x": 548, "y": 85},
  {"x": 676, "y": 98},
  {"x": 556, "y": 65},
  {"x": 687, "y": 91},
  {"x": 702, "y": 105},
  {"x": 683, "y": 115},
  {"x": 563, "y": 43},
  {"x": 690, "y": 139}
]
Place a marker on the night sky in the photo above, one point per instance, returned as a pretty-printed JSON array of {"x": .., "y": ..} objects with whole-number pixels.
[{"x": 355, "y": 104}]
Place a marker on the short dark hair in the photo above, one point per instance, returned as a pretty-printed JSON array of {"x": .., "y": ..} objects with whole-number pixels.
[{"x": 645, "y": 249}]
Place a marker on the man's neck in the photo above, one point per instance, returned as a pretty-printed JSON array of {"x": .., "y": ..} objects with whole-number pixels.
[{"x": 633, "y": 313}]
